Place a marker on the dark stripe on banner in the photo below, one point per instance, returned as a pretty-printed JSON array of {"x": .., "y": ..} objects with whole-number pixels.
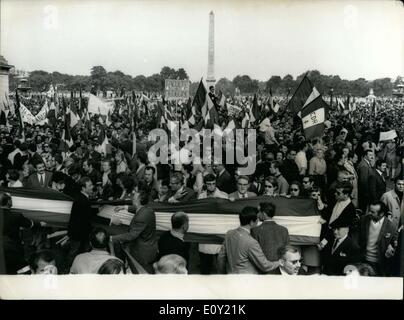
[
  {"x": 43, "y": 193},
  {"x": 53, "y": 219},
  {"x": 303, "y": 240},
  {"x": 301, "y": 207}
]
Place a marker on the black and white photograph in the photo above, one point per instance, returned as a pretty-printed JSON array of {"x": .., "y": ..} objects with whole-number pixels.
[{"x": 201, "y": 150}]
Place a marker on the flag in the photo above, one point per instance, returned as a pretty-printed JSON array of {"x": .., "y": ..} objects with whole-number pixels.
[
  {"x": 211, "y": 116},
  {"x": 74, "y": 117},
  {"x": 210, "y": 219},
  {"x": 66, "y": 142},
  {"x": 52, "y": 114},
  {"x": 313, "y": 117},
  {"x": 41, "y": 116},
  {"x": 221, "y": 99},
  {"x": 276, "y": 107},
  {"x": 246, "y": 121},
  {"x": 341, "y": 105},
  {"x": 265, "y": 125},
  {"x": 99, "y": 106},
  {"x": 199, "y": 98},
  {"x": 304, "y": 94},
  {"x": 255, "y": 114},
  {"x": 388, "y": 135},
  {"x": 271, "y": 99}
]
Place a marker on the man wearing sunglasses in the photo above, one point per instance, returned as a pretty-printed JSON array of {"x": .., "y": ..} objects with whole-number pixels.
[{"x": 290, "y": 263}]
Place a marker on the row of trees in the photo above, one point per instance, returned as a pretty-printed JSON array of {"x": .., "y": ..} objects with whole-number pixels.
[{"x": 102, "y": 80}]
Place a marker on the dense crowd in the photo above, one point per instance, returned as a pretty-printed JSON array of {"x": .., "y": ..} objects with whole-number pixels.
[{"x": 356, "y": 181}]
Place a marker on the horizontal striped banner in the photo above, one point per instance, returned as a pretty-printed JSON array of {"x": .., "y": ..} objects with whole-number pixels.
[{"x": 210, "y": 219}]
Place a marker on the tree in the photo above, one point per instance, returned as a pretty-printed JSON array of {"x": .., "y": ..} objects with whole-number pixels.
[
  {"x": 39, "y": 80},
  {"x": 98, "y": 75},
  {"x": 245, "y": 84},
  {"x": 382, "y": 86},
  {"x": 273, "y": 83},
  {"x": 182, "y": 74},
  {"x": 225, "y": 86},
  {"x": 288, "y": 84}
]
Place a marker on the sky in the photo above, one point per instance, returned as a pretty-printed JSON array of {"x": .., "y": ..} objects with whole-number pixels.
[{"x": 351, "y": 39}]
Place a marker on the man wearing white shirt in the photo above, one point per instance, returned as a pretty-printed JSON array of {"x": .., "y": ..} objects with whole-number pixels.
[{"x": 377, "y": 238}]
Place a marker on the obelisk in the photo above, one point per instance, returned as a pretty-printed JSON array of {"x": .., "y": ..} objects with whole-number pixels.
[{"x": 210, "y": 80}]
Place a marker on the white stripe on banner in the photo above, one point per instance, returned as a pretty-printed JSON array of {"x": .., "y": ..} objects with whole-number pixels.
[
  {"x": 300, "y": 226},
  {"x": 57, "y": 206},
  {"x": 204, "y": 223}
]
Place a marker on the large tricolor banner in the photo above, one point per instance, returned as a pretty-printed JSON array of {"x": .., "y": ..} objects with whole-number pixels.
[{"x": 209, "y": 219}]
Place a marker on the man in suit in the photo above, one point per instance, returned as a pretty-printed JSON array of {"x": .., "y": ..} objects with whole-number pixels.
[
  {"x": 172, "y": 241},
  {"x": 80, "y": 220},
  {"x": 243, "y": 183},
  {"x": 365, "y": 170},
  {"x": 377, "y": 182},
  {"x": 89, "y": 168},
  {"x": 40, "y": 178},
  {"x": 179, "y": 192},
  {"x": 343, "y": 209},
  {"x": 394, "y": 201},
  {"x": 377, "y": 236},
  {"x": 290, "y": 263},
  {"x": 340, "y": 250},
  {"x": 289, "y": 168},
  {"x": 141, "y": 238},
  {"x": 223, "y": 178},
  {"x": 269, "y": 234},
  {"x": 150, "y": 182},
  {"x": 240, "y": 252}
]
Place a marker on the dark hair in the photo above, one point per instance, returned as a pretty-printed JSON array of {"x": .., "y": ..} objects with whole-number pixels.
[
  {"x": 143, "y": 197},
  {"x": 379, "y": 162},
  {"x": 23, "y": 147},
  {"x": 112, "y": 266},
  {"x": 83, "y": 182},
  {"x": 13, "y": 174},
  {"x": 276, "y": 164},
  {"x": 142, "y": 156},
  {"x": 383, "y": 207},
  {"x": 75, "y": 169},
  {"x": 309, "y": 177},
  {"x": 150, "y": 168},
  {"x": 288, "y": 248},
  {"x": 247, "y": 215},
  {"x": 268, "y": 208},
  {"x": 58, "y": 158},
  {"x": 127, "y": 182},
  {"x": 398, "y": 178},
  {"x": 99, "y": 238},
  {"x": 178, "y": 219},
  {"x": 209, "y": 178},
  {"x": 5, "y": 199},
  {"x": 272, "y": 180},
  {"x": 32, "y": 147},
  {"x": 297, "y": 183},
  {"x": 165, "y": 182},
  {"x": 58, "y": 177},
  {"x": 45, "y": 255},
  {"x": 346, "y": 186}
]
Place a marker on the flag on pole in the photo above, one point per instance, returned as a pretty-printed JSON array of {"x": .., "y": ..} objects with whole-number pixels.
[
  {"x": 246, "y": 120},
  {"x": 200, "y": 98},
  {"x": 66, "y": 142},
  {"x": 313, "y": 117},
  {"x": 303, "y": 96},
  {"x": 255, "y": 114},
  {"x": 211, "y": 116}
]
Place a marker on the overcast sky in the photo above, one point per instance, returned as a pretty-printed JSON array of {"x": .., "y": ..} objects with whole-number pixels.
[{"x": 258, "y": 38}]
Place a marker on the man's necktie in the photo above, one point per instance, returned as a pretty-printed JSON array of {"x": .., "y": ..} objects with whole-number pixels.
[
  {"x": 41, "y": 181},
  {"x": 334, "y": 245}
]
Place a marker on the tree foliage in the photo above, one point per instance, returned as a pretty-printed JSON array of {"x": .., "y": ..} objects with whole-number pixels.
[{"x": 100, "y": 79}]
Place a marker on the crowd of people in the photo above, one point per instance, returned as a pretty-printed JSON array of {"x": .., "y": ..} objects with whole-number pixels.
[{"x": 356, "y": 181}]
